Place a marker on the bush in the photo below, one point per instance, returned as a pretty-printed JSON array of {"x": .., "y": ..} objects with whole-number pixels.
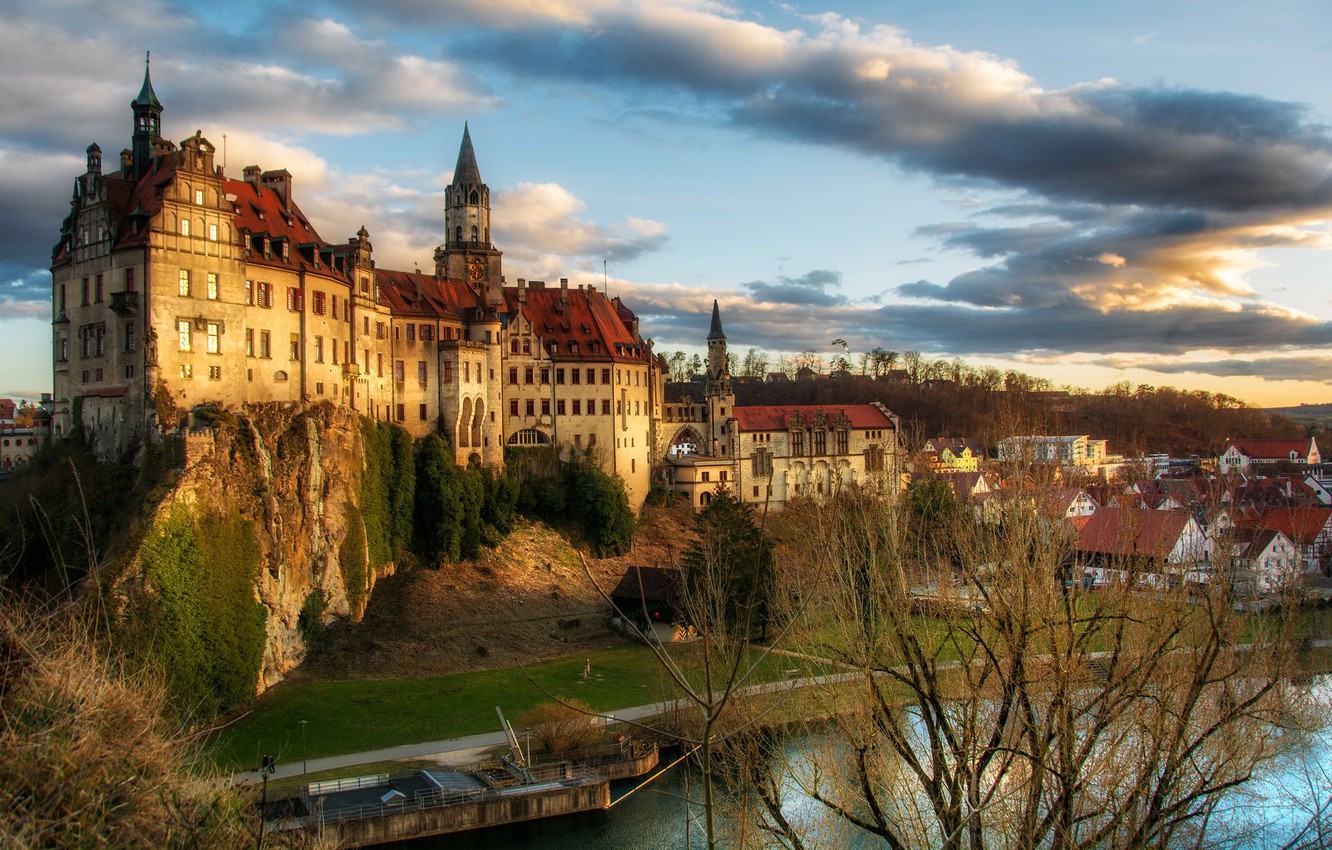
[
  {"x": 352, "y": 559},
  {"x": 90, "y": 756},
  {"x": 310, "y": 623},
  {"x": 438, "y": 509},
  {"x": 603, "y": 509},
  {"x": 559, "y": 728}
]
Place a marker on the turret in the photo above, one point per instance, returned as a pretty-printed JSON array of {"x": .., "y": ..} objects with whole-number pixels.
[
  {"x": 467, "y": 253},
  {"x": 147, "y": 124},
  {"x": 716, "y": 346}
]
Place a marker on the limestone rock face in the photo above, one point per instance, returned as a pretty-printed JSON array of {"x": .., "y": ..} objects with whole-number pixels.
[{"x": 296, "y": 474}]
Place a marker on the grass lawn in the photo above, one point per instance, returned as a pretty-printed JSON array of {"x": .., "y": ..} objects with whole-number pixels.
[{"x": 359, "y": 715}]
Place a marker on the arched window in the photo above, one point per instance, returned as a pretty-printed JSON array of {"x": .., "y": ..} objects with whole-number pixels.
[
  {"x": 457, "y": 233},
  {"x": 475, "y": 199},
  {"x": 475, "y": 233},
  {"x": 513, "y": 345}
]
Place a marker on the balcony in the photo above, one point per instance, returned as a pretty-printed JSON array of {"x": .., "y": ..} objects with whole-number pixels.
[
  {"x": 125, "y": 303},
  {"x": 351, "y": 370}
]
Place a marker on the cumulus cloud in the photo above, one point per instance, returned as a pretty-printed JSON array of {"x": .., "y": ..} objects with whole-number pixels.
[{"x": 539, "y": 221}]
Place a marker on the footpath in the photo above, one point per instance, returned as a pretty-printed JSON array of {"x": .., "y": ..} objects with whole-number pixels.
[{"x": 468, "y": 748}]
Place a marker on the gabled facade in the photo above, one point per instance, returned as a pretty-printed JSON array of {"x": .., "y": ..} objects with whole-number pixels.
[
  {"x": 174, "y": 286},
  {"x": 953, "y": 454},
  {"x": 1242, "y": 455},
  {"x": 771, "y": 454}
]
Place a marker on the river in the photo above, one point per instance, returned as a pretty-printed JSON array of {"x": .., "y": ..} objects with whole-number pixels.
[{"x": 1271, "y": 810}]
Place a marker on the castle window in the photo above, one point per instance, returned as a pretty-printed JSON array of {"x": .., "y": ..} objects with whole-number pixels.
[
  {"x": 129, "y": 286},
  {"x": 513, "y": 407},
  {"x": 249, "y": 292},
  {"x": 249, "y": 342},
  {"x": 184, "y": 227},
  {"x": 577, "y": 407},
  {"x": 421, "y": 371},
  {"x": 448, "y": 373},
  {"x": 559, "y": 407},
  {"x": 605, "y": 407},
  {"x": 513, "y": 345},
  {"x": 186, "y": 370},
  {"x": 605, "y": 376},
  {"x": 379, "y": 330},
  {"x": 212, "y": 232},
  {"x": 545, "y": 407},
  {"x": 475, "y": 198},
  {"x": 797, "y": 442},
  {"x": 265, "y": 344},
  {"x": 214, "y": 340},
  {"x": 425, "y": 412},
  {"x": 183, "y": 287},
  {"x": 475, "y": 233},
  {"x": 399, "y": 371},
  {"x": 513, "y": 374},
  {"x": 97, "y": 291},
  {"x": 427, "y": 333},
  {"x": 545, "y": 376},
  {"x": 185, "y": 332},
  {"x": 319, "y": 303},
  {"x": 762, "y": 462},
  {"x": 214, "y": 373},
  {"x": 840, "y": 441},
  {"x": 873, "y": 459},
  {"x": 131, "y": 342},
  {"x": 402, "y": 412},
  {"x": 319, "y": 349},
  {"x": 212, "y": 286},
  {"x": 591, "y": 376},
  {"x": 457, "y": 233},
  {"x": 820, "y": 442},
  {"x": 198, "y": 196},
  {"x": 411, "y": 331},
  {"x": 577, "y": 376},
  {"x": 527, "y": 346},
  {"x": 559, "y": 376}
]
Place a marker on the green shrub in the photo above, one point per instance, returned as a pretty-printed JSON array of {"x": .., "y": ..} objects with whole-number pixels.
[
  {"x": 438, "y": 510},
  {"x": 352, "y": 559},
  {"x": 197, "y": 616},
  {"x": 310, "y": 623},
  {"x": 602, "y": 508}
]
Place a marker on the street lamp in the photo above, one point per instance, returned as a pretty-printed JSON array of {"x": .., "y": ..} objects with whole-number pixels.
[{"x": 302, "y": 722}]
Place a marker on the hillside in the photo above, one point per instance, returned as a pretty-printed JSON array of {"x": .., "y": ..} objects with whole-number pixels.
[{"x": 526, "y": 600}]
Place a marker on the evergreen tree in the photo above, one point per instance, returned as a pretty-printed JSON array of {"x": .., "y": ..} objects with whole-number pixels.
[{"x": 731, "y": 558}]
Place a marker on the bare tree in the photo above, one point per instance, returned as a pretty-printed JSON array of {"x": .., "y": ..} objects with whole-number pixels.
[{"x": 1000, "y": 703}]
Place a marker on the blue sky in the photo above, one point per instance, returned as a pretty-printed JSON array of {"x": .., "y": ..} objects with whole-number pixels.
[{"x": 1084, "y": 192}]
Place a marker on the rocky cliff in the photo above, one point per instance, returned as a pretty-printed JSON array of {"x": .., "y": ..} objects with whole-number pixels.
[{"x": 293, "y": 478}]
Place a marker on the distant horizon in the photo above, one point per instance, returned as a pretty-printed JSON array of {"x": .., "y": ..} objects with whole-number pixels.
[{"x": 1085, "y": 197}]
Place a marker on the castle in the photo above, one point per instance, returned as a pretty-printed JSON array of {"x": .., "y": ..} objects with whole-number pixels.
[{"x": 174, "y": 286}]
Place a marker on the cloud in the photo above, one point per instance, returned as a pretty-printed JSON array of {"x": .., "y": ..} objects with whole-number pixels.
[
  {"x": 1310, "y": 367},
  {"x": 812, "y": 289},
  {"x": 538, "y": 222}
]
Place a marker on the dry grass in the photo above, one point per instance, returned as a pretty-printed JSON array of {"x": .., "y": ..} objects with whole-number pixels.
[
  {"x": 86, "y": 756},
  {"x": 527, "y": 600}
]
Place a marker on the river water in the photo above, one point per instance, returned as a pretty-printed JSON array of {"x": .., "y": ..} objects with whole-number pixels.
[{"x": 1267, "y": 812}]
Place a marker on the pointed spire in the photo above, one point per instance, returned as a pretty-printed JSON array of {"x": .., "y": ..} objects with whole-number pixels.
[
  {"x": 716, "y": 331},
  {"x": 466, "y": 172},
  {"x": 147, "y": 97}
]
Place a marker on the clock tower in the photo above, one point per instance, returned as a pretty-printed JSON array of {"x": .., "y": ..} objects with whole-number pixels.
[{"x": 467, "y": 253}]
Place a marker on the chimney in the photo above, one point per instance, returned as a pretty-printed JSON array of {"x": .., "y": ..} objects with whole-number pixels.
[
  {"x": 126, "y": 159},
  {"x": 250, "y": 174},
  {"x": 279, "y": 181},
  {"x": 522, "y": 291},
  {"x": 564, "y": 291}
]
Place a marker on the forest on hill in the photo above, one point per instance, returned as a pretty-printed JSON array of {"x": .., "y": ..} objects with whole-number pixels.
[{"x": 954, "y": 399}]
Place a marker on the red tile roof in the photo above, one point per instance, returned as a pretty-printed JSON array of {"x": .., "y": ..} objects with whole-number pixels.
[
  {"x": 1271, "y": 449},
  {"x": 1133, "y": 531},
  {"x": 597, "y": 326},
  {"x": 262, "y": 210},
  {"x": 1301, "y": 525},
  {"x": 778, "y": 417},
  {"x": 416, "y": 294}
]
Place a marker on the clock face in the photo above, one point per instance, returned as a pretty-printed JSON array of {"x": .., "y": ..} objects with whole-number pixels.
[{"x": 477, "y": 271}]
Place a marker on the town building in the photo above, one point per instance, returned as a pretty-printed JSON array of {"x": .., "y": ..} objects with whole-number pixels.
[
  {"x": 767, "y": 455},
  {"x": 1244, "y": 455},
  {"x": 175, "y": 285}
]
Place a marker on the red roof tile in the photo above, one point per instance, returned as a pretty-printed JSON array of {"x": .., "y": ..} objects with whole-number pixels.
[
  {"x": 597, "y": 326},
  {"x": 416, "y": 294},
  {"x": 1301, "y": 525},
  {"x": 778, "y": 417},
  {"x": 1271, "y": 449},
  {"x": 1132, "y": 531}
]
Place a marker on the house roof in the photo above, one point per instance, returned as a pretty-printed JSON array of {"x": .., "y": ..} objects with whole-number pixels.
[
  {"x": 716, "y": 332},
  {"x": 1271, "y": 449},
  {"x": 411, "y": 294},
  {"x": 649, "y": 584},
  {"x": 1133, "y": 532},
  {"x": 779, "y": 417},
  {"x": 598, "y": 326},
  {"x": 1301, "y": 525}
]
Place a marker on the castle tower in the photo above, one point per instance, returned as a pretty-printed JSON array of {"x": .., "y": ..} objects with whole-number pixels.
[
  {"x": 147, "y": 124},
  {"x": 467, "y": 253},
  {"x": 718, "y": 397}
]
